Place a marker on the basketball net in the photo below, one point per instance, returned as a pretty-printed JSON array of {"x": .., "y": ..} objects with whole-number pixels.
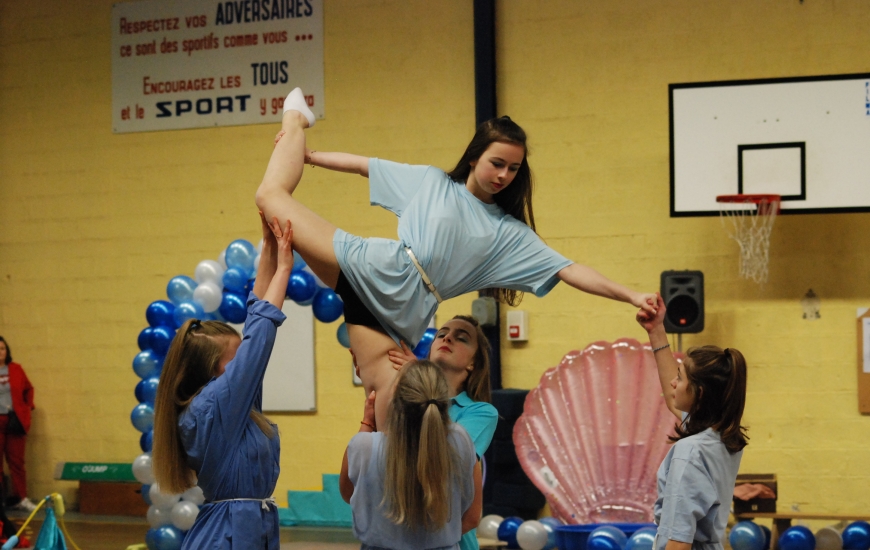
[{"x": 751, "y": 229}]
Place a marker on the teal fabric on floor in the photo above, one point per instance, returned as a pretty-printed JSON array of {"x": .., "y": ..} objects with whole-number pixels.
[
  {"x": 317, "y": 508},
  {"x": 50, "y": 537}
]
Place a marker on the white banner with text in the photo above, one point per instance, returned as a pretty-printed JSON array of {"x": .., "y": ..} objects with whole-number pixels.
[{"x": 203, "y": 63}]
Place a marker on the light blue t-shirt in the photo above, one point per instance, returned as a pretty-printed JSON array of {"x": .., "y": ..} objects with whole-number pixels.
[
  {"x": 365, "y": 469},
  {"x": 462, "y": 243},
  {"x": 695, "y": 489}
]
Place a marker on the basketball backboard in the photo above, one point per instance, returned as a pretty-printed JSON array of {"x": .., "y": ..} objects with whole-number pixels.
[{"x": 806, "y": 139}]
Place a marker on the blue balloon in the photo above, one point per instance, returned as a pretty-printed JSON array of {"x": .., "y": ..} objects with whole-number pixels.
[
  {"x": 145, "y": 496},
  {"x": 301, "y": 286},
  {"x": 327, "y": 305},
  {"x": 642, "y": 539},
  {"x": 168, "y": 537},
  {"x": 146, "y": 441},
  {"x": 767, "y": 535},
  {"x": 797, "y": 537},
  {"x": 187, "y": 310},
  {"x": 307, "y": 302},
  {"x": 746, "y": 535},
  {"x": 149, "y": 389},
  {"x": 235, "y": 280},
  {"x": 342, "y": 335},
  {"x": 142, "y": 417},
  {"x": 298, "y": 262},
  {"x": 161, "y": 339},
  {"x": 507, "y": 531},
  {"x": 606, "y": 537},
  {"x": 249, "y": 286},
  {"x": 550, "y": 524},
  {"x": 159, "y": 313},
  {"x": 233, "y": 307},
  {"x": 138, "y": 392},
  {"x": 180, "y": 289},
  {"x": 150, "y": 540},
  {"x": 856, "y": 536},
  {"x": 144, "y": 340},
  {"x": 146, "y": 364},
  {"x": 421, "y": 350},
  {"x": 241, "y": 254}
]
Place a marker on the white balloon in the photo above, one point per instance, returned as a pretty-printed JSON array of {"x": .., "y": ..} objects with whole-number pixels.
[
  {"x": 194, "y": 495},
  {"x": 222, "y": 258},
  {"x": 184, "y": 514},
  {"x": 531, "y": 535},
  {"x": 260, "y": 247},
  {"x": 829, "y": 538},
  {"x": 142, "y": 469},
  {"x": 488, "y": 527},
  {"x": 256, "y": 266},
  {"x": 157, "y": 517},
  {"x": 208, "y": 295},
  {"x": 161, "y": 500},
  {"x": 209, "y": 270}
]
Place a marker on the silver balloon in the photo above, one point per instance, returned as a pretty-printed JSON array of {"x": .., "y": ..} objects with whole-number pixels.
[
  {"x": 208, "y": 295},
  {"x": 488, "y": 527},
  {"x": 142, "y": 469},
  {"x": 209, "y": 270},
  {"x": 157, "y": 517},
  {"x": 161, "y": 500},
  {"x": 194, "y": 495},
  {"x": 531, "y": 535},
  {"x": 184, "y": 514},
  {"x": 829, "y": 538}
]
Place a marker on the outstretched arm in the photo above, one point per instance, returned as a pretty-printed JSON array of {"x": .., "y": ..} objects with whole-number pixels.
[
  {"x": 340, "y": 162},
  {"x": 268, "y": 259},
  {"x": 283, "y": 255},
  {"x": 588, "y": 280},
  {"x": 665, "y": 361}
]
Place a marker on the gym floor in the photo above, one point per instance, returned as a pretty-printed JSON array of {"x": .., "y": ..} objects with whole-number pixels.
[{"x": 118, "y": 532}]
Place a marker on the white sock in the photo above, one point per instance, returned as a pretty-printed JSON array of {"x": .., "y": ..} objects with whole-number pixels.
[{"x": 296, "y": 102}]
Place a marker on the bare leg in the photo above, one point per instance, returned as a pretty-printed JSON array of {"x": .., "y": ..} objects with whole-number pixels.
[
  {"x": 312, "y": 238},
  {"x": 370, "y": 346},
  {"x": 312, "y": 235}
]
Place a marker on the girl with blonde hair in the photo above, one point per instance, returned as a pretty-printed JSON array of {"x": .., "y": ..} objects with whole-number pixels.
[
  {"x": 418, "y": 483},
  {"x": 209, "y": 428}
]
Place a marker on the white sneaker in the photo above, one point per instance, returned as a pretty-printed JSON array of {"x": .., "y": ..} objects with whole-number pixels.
[{"x": 26, "y": 504}]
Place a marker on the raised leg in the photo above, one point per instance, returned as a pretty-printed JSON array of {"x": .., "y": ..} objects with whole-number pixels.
[{"x": 312, "y": 235}]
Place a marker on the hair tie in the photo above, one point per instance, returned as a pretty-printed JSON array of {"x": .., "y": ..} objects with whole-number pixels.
[
  {"x": 726, "y": 351},
  {"x": 432, "y": 402},
  {"x": 505, "y": 117},
  {"x": 194, "y": 324}
]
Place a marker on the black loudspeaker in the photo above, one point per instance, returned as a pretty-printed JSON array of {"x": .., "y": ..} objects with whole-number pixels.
[{"x": 683, "y": 293}]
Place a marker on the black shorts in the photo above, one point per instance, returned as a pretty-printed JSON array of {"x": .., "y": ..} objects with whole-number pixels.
[{"x": 355, "y": 312}]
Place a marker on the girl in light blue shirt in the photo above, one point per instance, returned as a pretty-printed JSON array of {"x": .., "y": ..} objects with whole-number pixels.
[
  {"x": 470, "y": 229},
  {"x": 707, "y": 393}
]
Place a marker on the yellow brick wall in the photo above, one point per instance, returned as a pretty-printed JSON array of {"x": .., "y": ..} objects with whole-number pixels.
[{"x": 93, "y": 225}]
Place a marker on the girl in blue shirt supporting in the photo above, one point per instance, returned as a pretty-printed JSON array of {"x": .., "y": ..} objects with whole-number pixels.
[
  {"x": 209, "y": 428},
  {"x": 470, "y": 229},
  {"x": 416, "y": 484},
  {"x": 461, "y": 349},
  {"x": 707, "y": 393}
]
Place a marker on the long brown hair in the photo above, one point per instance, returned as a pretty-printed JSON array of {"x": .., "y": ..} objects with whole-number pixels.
[
  {"x": 419, "y": 458},
  {"x": 193, "y": 359},
  {"x": 8, "y": 351},
  {"x": 718, "y": 379},
  {"x": 516, "y": 198},
  {"x": 478, "y": 385}
]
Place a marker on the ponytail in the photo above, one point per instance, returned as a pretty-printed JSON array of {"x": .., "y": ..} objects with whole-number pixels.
[
  {"x": 718, "y": 379},
  {"x": 419, "y": 457}
]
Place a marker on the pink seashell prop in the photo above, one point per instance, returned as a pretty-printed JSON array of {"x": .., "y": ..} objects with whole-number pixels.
[{"x": 594, "y": 432}]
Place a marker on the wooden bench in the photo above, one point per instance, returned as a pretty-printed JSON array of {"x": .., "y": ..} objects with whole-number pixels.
[
  {"x": 782, "y": 521},
  {"x": 105, "y": 488}
]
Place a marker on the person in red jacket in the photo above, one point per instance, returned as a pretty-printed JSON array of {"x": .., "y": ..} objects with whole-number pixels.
[{"x": 16, "y": 402}]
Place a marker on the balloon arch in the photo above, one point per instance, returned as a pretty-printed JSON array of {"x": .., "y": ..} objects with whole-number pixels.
[{"x": 218, "y": 291}]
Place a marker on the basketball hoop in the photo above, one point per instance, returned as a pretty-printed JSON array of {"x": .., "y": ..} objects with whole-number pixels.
[{"x": 751, "y": 228}]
